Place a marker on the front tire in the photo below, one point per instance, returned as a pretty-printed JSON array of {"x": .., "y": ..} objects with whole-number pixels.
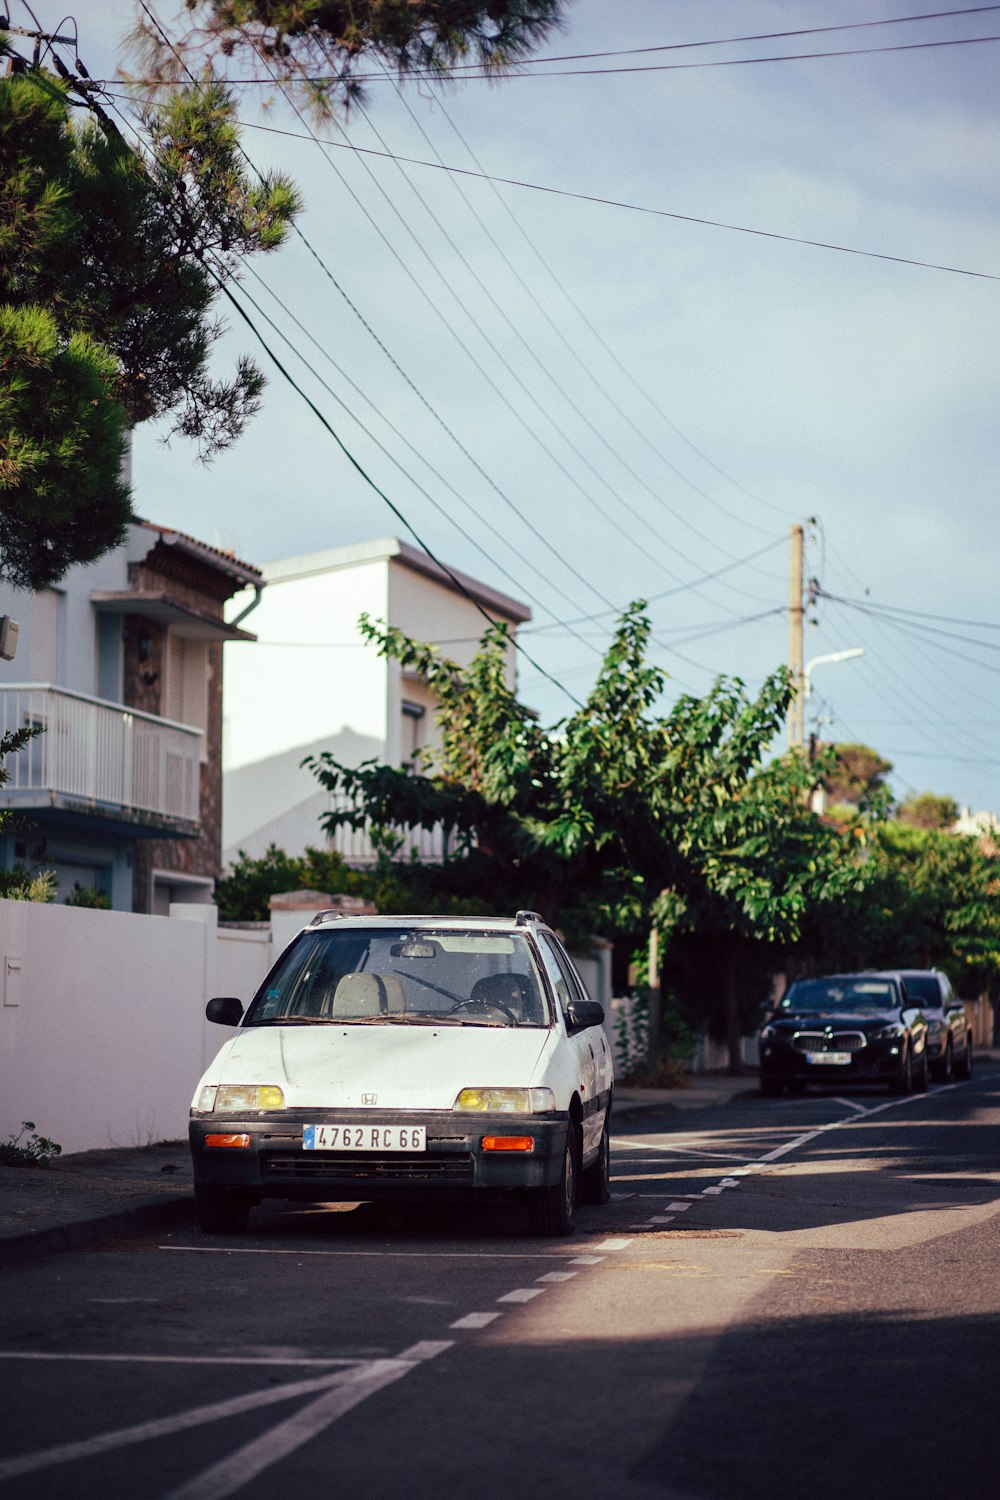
[
  {"x": 921, "y": 1075},
  {"x": 903, "y": 1081},
  {"x": 552, "y": 1209},
  {"x": 946, "y": 1067},
  {"x": 595, "y": 1180},
  {"x": 963, "y": 1068},
  {"x": 222, "y": 1210}
]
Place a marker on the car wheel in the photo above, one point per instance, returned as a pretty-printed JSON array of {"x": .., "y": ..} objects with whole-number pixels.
[
  {"x": 963, "y": 1068},
  {"x": 771, "y": 1088},
  {"x": 222, "y": 1210},
  {"x": 595, "y": 1181},
  {"x": 921, "y": 1074},
  {"x": 552, "y": 1209},
  {"x": 903, "y": 1081},
  {"x": 946, "y": 1067}
]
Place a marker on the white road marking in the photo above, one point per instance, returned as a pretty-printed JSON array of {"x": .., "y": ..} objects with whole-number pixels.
[
  {"x": 672, "y": 1150},
  {"x": 613, "y": 1244},
  {"x": 557, "y": 1276},
  {"x": 663, "y": 1219},
  {"x": 522, "y": 1294},
  {"x": 849, "y": 1104},
  {"x": 106, "y": 1442},
  {"x": 710, "y": 1192},
  {"x": 475, "y": 1320},
  {"x": 678, "y": 1207},
  {"x": 232, "y": 1473},
  {"x": 587, "y": 1260}
]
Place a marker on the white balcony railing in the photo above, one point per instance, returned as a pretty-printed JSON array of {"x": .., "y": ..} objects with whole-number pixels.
[
  {"x": 354, "y": 845},
  {"x": 99, "y": 754}
]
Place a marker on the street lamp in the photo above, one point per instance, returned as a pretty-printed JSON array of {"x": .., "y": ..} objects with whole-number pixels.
[{"x": 818, "y": 660}]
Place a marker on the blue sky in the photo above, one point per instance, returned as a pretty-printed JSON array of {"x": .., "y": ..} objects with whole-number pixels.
[{"x": 601, "y": 404}]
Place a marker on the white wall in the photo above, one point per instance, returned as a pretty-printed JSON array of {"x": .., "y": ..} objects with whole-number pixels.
[
  {"x": 309, "y": 675},
  {"x": 102, "y": 1028}
]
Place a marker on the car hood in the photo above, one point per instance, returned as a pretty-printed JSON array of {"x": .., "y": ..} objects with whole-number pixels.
[
  {"x": 840, "y": 1020},
  {"x": 380, "y": 1067}
]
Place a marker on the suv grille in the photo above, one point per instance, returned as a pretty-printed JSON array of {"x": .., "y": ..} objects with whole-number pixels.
[
  {"x": 363, "y": 1167},
  {"x": 822, "y": 1041}
]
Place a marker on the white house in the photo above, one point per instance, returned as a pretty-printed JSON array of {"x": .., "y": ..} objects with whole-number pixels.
[
  {"x": 120, "y": 666},
  {"x": 312, "y": 684}
]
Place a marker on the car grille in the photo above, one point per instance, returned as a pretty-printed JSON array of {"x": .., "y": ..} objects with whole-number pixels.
[
  {"x": 364, "y": 1167},
  {"x": 822, "y": 1041}
]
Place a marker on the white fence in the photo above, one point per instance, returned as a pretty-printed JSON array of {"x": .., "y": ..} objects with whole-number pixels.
[
  {"x": 102, "y": 1028},
  {"x": 98, "y": 752}
]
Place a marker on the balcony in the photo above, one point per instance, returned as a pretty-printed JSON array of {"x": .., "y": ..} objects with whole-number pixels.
[{"x": 101, "y": 760}]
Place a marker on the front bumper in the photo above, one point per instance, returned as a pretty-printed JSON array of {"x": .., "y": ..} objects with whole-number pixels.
[
  {"x": 878, "y": 1062},
  {"x": 275, "y": 1164}
]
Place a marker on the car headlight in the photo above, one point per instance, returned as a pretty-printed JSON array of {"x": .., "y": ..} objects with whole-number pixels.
[
  {"x": 885, "y": 1034},
  {"x": 506, "y": 1101},
  {"x": 233, "y": 1097}
]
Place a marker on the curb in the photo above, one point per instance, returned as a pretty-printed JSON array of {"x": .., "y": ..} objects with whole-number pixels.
[{"x": 16, "y": 1249}]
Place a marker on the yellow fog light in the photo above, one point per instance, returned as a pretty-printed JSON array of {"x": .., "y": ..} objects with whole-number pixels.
[{"x": 231, "y": 1098}]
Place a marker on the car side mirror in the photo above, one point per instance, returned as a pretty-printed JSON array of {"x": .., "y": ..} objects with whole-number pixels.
[
  {"x": 225, "y": 1010},
  {"x": 584, "y": 1013}
]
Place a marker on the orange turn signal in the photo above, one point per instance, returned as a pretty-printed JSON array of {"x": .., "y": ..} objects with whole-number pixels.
[
  {"x": 508, "y": 1143},
  {"x": 240, "y": 1141}
]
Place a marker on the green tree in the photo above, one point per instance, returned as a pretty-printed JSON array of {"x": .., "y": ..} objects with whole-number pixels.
[
  {"x": 856, "y": 775},
  {"x": 618, "y": 814},
  {"x": 110, "y": 265},
  {"x": 927, "y": 810},
  {"x": 324, "y": 47},
  {"x": 930, "y": 898}
]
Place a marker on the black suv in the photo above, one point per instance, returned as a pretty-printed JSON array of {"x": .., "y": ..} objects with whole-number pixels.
[{"x": 949, "y": 1035}]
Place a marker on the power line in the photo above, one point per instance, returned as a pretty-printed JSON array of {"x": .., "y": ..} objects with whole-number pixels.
[{"x": 639, "y": 208}]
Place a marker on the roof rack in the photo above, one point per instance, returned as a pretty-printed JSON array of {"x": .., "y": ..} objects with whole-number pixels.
[
  {"x": 328, "y": 914},
  {"x": 524, "y": 917}
]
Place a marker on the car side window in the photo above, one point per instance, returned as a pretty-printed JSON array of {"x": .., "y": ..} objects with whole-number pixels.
[{"x": 560, "y": 975}]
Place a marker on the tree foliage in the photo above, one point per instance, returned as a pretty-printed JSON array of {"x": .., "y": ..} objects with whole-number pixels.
[
  {"x": 110, "y": 265},
  {"x": 856, "y": 775},
  {"x": 323, "y": 48},
  {"x": 644, "y": 815},
  {"x": 928, "y": 810},
  {"x": 931, "y": 899}
]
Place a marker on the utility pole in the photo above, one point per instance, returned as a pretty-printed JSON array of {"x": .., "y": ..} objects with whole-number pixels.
[{"x": 796, "y": 613}]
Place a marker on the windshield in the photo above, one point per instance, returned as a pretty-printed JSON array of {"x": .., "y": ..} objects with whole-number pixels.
[
  {"x": 395, "y": 975},
  {"x": 924, "y": 989},
  {"x": 843, "y": 993}
]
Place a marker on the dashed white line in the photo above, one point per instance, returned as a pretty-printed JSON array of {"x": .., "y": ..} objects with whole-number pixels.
[
  {"x": 522, "y": 1294},
  {"x": 557, "y": 1276},
  {"x": 587, "y": 1260},
  {"x": 475, "y": 1320},
  {"x": 612, "y": 1244}
]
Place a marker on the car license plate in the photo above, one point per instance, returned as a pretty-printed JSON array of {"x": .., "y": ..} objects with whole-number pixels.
[
  {"x": 364, "y": 1137},
  {"x": 841, "y": 1059}
]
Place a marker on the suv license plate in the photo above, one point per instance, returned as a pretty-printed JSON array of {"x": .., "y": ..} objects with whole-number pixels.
[
  {"x": 840, "y": 1058},
  {"x": 364, "y": 1137}
]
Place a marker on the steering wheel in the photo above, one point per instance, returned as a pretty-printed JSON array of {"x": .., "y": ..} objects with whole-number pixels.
[{"x": 484, "y": 1007}]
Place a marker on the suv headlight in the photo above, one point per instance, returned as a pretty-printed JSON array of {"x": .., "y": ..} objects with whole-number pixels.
[
  {"x": 233, "y": 1097},
  {"x": 506, "y": 1101},
  {"x": 885, "y": 1034}
]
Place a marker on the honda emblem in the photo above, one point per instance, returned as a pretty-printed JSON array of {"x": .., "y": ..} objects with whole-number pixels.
[{"x": 369, "y": 1098}]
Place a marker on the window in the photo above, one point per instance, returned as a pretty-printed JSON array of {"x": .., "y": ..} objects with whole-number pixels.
[{"x": 560, "y": 974}]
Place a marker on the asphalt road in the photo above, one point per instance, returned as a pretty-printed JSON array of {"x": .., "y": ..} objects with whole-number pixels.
[{"x": 793, "y": 1297}]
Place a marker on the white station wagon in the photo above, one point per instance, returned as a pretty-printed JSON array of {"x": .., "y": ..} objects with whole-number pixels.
[{"x": 408, "y": 1057}]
